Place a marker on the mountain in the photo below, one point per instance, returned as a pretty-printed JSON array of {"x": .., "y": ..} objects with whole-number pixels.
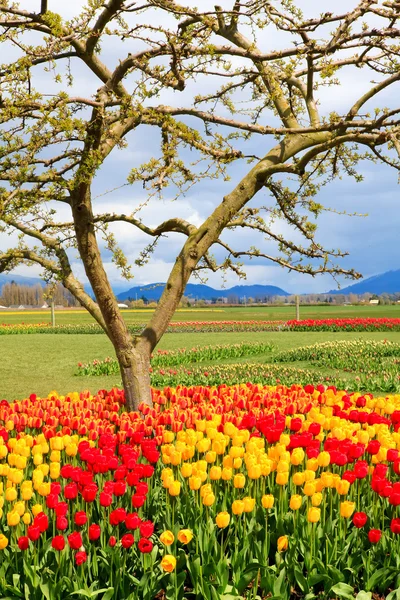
[
  {"x": 20, "y": 279},
  {"x": 203, "y": 292},
  {"x": 385, "y": 283}
]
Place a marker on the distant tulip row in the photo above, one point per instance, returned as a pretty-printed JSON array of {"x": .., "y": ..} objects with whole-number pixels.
[{"x": 350, "y": 324}]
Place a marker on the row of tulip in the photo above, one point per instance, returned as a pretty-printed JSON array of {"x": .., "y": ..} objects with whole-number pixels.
[
  {"x": 170, "y": 358},
  {"x": 350, "y": 324}
]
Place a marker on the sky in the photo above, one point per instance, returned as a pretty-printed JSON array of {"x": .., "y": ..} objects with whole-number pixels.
[{"x": 371, "y": 240}]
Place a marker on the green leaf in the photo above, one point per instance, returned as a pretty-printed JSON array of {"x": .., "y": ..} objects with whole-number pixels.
[
  {"x": 247, "y": 576},
  {"x": 280, "y": 584},
  {"x": 343, "y": 590},
  {"x": 380, "y": 577},
  {"x": 301, "y": 580},
  {"x": 44, "y": 588},
  {"x": 109, "y": 594},
  {"x": 362, "y": 595}
]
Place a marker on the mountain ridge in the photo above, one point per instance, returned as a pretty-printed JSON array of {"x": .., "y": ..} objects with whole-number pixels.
[
  {"x": 203, "y": 292},
  {"x": 383, "y": 283}
]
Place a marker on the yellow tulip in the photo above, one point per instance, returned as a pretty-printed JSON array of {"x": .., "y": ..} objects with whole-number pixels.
[
  {"x": 239, "y": 481},
  {"x": 185, "y": 536},
  {"x": 282, "y": 543},
  {"x": 175, "y": 488},
  {"x": 3, "y": 541},
  {"x": 11, "y": 494},
  {"x": 342, "y": 487},
  {"x": 309, "y": 488},
  {"x": 267, "y": 501},
  {"x": 26, "y": 518},
  {"x": 316, "y": 499},
  {"x": 36, "y": 509},
  {"x": 298, "y": 478},
  {"x": 208, "y": 499},
  {"x": 249, "y": 504},
  {"x": 168, "y": 563},
  {"x": 13, "y": 518},
  {"x": 297, "y": 456},
  {"x": 167, "y": 538},
  {"x": 324, "y": 459},
  {"x": 237, "y": 507},
  {"x": 194, "y": 483},
  {"x": 222, "y": 519},
  {"x": 227, "y": 474},
  {"x": 347, "y": 508},
  {"x": 295, "y": 502},
  {"x": 19, "y": 507},
  {"x": 314, "y": 515},
  {"x": 282, "y": 478}
]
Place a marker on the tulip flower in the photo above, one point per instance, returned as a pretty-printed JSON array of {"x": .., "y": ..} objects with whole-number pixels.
[
  {"x": 282, "y": 543},
  {"x": 222, "y": 519},
  {"x": 185, "y": 536},
  {"x": 23, "y": 542},
  {"x": 360, "y": 519},
  {"x": 80, "y": 557},
  {"x": 58, "y": 543},
  {"x": 295, "y": 502},
  {"x": 347, "y": 509},
  {"x": 267, "y": 501},
  {"x": 168, "y": 563},
  {"x": 313, "y": 515},
  {"x": 145, "y": 545},
  {"x": 167, "y": 538},
  {"x": 374, "y": 535}
]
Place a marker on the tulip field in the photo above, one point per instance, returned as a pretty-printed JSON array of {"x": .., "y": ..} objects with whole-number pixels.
[
  {"x": 217, "y": 492},
  {"x": 268, "y": 467}
]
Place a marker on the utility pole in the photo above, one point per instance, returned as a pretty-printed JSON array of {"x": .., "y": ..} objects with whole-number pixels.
[
  {"x": 297, "y": 308},
  {"x": 53, "y": 314}
]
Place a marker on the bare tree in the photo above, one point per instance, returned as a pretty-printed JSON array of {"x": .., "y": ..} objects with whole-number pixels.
[{"x": 213, "y": 63}]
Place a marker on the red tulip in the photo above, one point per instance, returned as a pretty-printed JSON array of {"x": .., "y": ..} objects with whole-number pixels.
[
  {"x": 80, "y": 557},
  {"x": 112, "y": 541},
  {"x": 395, "y": 526},
  {"x": 61, "y": 509},
  {"x": 89, "y": 492},
  {"x": 70, "y": 491},
  {"x": 94, "y": 532},
  {"x": 359, "y": 519},
  {"x": 146, "y": 529},
  {"x": 374, "y": 535},
  {"x": 23, "y": 542},
  {"x": 127, "y": 540},
  {"x": 105, "y": 499},
  {"x": 75, "y": 540},
  {"x": 61, "y": 523},
  {"x": 80, "y": 518},
  {"x": 132, "y": 521},
  {"x": 138, "y": 500},
  {"x": 58, "y": 542},
  {"x": 33, "y": 532},
  {"x": 42, "y": 521},
  {"x": 145, "y": 546}
]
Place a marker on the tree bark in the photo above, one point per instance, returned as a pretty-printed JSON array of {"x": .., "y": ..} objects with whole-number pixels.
[
  {"x": 135, "y": 373},
  {"x": 132, "y": 354}
]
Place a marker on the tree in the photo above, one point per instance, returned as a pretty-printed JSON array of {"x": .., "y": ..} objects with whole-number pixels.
[{"x": 212, "y": 65}]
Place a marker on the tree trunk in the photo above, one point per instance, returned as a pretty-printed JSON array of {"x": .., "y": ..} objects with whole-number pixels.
[{"x": 135, "y": 373}]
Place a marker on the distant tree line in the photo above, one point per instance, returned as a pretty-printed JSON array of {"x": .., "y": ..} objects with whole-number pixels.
[
  {"x": 235, "y": 300},
  {"x": 15, "y": 294}
]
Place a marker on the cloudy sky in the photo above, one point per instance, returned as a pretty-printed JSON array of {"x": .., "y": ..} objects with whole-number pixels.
[{"x": 371, "y": 241}]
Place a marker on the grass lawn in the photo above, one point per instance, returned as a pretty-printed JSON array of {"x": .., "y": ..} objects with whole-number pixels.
[
  {"x": 42, "y": 363},
  {"x": 218, "y": 313}
]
